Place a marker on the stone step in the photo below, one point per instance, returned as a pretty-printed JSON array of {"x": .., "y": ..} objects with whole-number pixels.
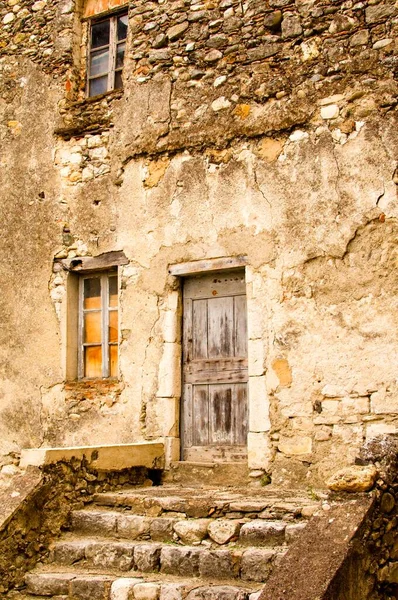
[
  {"x": 208, "y": 473},
  {"x": 246, "y": 563},
  {"x": 77, "y": 585},
  {"x": 199, "y": 503},
  {"x": 111, "y": 523}
]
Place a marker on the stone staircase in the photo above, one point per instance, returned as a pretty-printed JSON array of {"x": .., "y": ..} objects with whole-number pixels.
[{"x": 171, "y": 542}]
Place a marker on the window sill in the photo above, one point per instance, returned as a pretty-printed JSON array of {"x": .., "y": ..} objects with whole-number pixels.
[{"x": 100, "y": 384}]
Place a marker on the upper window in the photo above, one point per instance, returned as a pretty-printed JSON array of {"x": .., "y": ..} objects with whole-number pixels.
[
  {"x": 106, "y": 56},
  {"x": 98, "y": 327}
]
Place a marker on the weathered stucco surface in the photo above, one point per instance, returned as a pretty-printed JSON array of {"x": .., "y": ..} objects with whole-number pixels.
[{"x": 281, "y": 145}]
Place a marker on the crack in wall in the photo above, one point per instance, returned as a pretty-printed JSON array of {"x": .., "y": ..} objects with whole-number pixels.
[{"x": 382, "y": 194}]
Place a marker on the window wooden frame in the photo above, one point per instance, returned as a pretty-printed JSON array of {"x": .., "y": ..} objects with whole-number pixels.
[
  {"x": 112, "y": 47},
  {"x": 105, "y": 309}
]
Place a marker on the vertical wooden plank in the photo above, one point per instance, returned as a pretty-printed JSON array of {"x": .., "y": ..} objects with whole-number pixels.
[
  {"x": 240, "y": 326},
  {"x": 186, "y": 417},
  {"x": 200, "y": 421},
  {"x": 199, "y": 329},
  {"x": 220, "y": 327},
  {"x": 240, "y": 416},
  {"x": 187, "y": 331},
  {"x": 220, "y": 408}
]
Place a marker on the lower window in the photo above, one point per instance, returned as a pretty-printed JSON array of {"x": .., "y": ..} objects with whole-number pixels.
[{"x": 98, "y": 325}]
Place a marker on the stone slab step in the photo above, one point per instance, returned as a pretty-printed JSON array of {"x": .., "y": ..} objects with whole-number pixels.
[
  {"x": 211, "y": 473},
  {"x": 99, "y": 586},
  {"x": 194, "y": 503},
  {"x": 128, "y": 526},
  {"x": 248, "y": 564}
]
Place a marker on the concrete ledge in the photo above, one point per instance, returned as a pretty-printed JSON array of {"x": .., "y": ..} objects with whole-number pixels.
[
  {"x": 21, "y": 488},
  {"x": 101, "y": 458},
  {"x": 310, "y": 568}
]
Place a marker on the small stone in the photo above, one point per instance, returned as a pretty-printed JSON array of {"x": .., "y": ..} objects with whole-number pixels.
[
  {"x": 360, "y": 38},
  {"x": 219, "y": 81},
  {"x": 160, "y": 41},
  {"x": 121, "y": 589},
  {"x": 273, "y": 19},
  {"x": 263, "y": 51},
  {"x": 112, "y": 555},
  {"x": 132, "y": 526},
  {"x": 220, "y": 104},
  {"x": 298, "y": 136},
  {"x": 387, "y": 503},
  {"x": 146, "y": 591},
  {"x": 190, "y": 47},
  {"x": 381, "y": 44},
  {"x": 146, "y": 557},
  {"x": 222, "y": 531},
  {"x": 379, "y": 13},
  {"x": 217, "y": 592},
  {"x": 94, "y": 521},
  {"x": 183, "y": 561},
  {"x": 8, "y": 18},
  {"x": 191, "y": 531},
  {"x": 258, "y": 472},
  {"x": 39, "y": 5},
  {"x": 291, "y": 26},
  {"x": 90, "y": 587},
  {"x": 162, "y": 530},
  {"x": 256, "y": 564},
  {"x": 175, "y": 32},
  {"x": 11, "y": 470},
  {"x": 264, "y": 533},
  {"x": 172, "y": 591},
  {"x": 213, "y": 56},
  {"x": 331, "y": 99},
  {"x": 47, "y": 584},
  {"x": 217, "y": 565},
  {"x": 353, "y": 479},
  {"x": 309, "y": 511},
  {"x": 331, "y": 111}
]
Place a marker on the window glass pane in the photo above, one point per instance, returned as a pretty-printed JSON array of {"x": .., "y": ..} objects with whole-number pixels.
[
  {"x": 113, "y": 361},
  {"x": 120, "y": 55},
  {"x": 92, "y": 293},
  {"x": 122, "y": 23},
  {"x": 93, "y": 361},
  {"x": 113, "y": 291},
  {"x": 118, "y": 80},
  {"x": 99, "y": 62},
  {"x": 98, "y": 86},
  {"x": 92, "y": 327},
  {"x": 113, "y": 326},
  {"x": 100, "y": 34}
]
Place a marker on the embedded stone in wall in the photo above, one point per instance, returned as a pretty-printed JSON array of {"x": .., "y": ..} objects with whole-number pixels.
[{"x": 353, "y": 479}]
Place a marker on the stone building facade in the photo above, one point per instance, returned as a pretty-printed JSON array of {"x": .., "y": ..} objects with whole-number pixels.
[{"x": 259, "y": 136}]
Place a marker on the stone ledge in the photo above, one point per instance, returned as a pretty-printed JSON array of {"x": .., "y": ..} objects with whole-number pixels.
[
  {"x": 22, "y": 487},
  {"x": 311, "y": 565},
  {"x": 101, "y": 458}
]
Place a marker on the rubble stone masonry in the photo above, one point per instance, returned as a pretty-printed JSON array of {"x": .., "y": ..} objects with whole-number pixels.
[{"x": 264, "y": 129}]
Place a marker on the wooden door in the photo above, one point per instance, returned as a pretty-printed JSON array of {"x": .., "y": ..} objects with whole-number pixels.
[{"x": 214, "y": 406}]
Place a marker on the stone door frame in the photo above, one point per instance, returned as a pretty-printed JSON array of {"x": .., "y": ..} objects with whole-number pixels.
[{"x": 170, "y": 368}]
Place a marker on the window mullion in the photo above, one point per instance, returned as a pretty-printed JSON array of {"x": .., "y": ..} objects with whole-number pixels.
[
  {"x": 105, "y": 324},
  {"x": 112, "y": 52}
]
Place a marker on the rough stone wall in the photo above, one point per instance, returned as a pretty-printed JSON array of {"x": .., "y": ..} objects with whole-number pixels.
[
  {"x": 49, "y": 496},
  {"x": 264, "y": 129}
]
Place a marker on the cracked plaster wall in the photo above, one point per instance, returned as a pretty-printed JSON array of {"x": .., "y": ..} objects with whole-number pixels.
[{"x": 300, "y": 183}]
